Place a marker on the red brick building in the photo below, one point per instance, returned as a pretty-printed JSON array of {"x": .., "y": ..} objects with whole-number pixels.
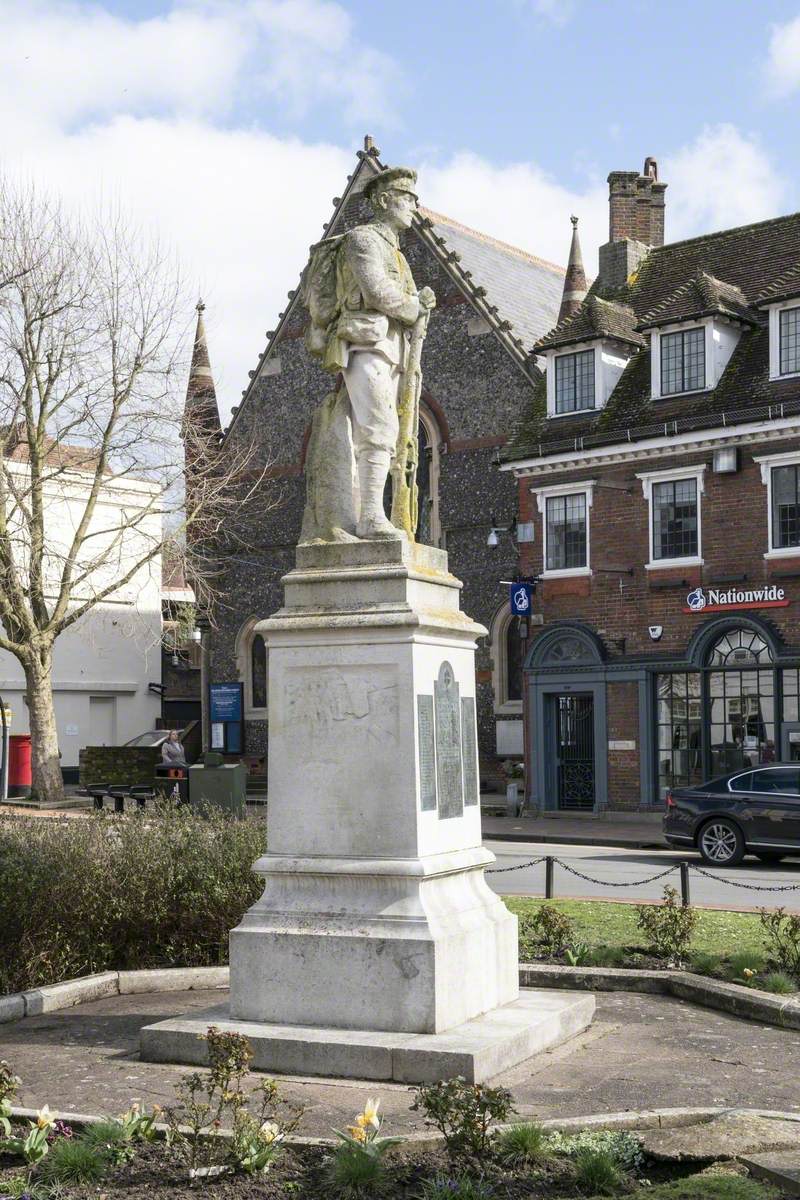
[{"x": 659, "y": 508}]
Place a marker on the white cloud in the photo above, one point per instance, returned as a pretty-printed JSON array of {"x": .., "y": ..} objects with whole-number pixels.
[
  {"x": 63, "y": 63},
  {"x": 722, "y": 179},
  {"x": 118, "y": 108},
  {"x": 557, "y": 12},
  {"x": 519, "y": 203},
  {"x": 148, "y": 114},
  {"x": 782, "y": 68}
]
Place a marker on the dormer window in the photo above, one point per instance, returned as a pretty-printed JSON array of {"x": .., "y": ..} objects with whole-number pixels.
[
  {"x": 585, "y": 356},
  {"x": 683, "y": 361},
  {"x": 693, "y": 334},
  {"x": 575, "y": 388},
  {"x": 789, "y": 332}
]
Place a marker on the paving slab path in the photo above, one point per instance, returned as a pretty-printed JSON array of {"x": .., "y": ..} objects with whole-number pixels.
[{"x": 641, "y": 1052}]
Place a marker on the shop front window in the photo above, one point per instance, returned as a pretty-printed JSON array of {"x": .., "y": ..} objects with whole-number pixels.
[
  {"x": 721, "y": 719},
  {"x": 680, "y": 724},
  {"x": 742, "y": 720},
  {"x": 791, "y": 694}
]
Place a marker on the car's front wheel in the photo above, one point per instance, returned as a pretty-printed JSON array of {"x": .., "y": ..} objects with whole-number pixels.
[{"x": 721, "y": 843}]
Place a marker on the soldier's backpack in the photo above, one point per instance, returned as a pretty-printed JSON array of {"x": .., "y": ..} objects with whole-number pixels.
[{"x": 318, "y": 293}]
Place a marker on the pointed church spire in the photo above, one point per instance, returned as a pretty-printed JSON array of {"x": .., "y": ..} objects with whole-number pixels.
[
  {"x": 201, "y": 409},
  {"x": 574, "y": 292}
]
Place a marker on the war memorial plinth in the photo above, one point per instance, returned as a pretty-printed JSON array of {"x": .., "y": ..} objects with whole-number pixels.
[{"x": 377, "y": 950}]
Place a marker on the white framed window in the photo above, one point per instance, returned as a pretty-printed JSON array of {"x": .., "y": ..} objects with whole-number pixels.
[
  {"x": 691, "y": 356},
  {"x": 683, "y": 361},
  {"x": 575, "y": 383},
  {"x": 252, "y": 660},
  {"x": 581, "y": 378},
  {"x": 674, "y": 516},
  {"x": 565, "y": 528},
  {"x": 789, "y": 341},
  {"x": 784, "y": 339},
  {"x": 781, "y": 475}
]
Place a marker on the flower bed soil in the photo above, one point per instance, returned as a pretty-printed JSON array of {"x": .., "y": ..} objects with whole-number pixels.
[{"x": 300, "y": 1174}]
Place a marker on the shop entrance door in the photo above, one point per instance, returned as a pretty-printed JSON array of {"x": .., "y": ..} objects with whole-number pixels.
[{"x": 574, "y": 729}]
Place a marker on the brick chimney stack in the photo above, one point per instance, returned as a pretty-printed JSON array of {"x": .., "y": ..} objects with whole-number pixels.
[{"x": 635, "y": 221}]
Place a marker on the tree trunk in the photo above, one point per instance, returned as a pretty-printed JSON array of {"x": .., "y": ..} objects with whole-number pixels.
[{"x": 48, "y": 783}]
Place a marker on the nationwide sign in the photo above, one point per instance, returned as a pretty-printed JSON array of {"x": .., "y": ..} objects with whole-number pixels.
[{"x": 723, "y": 599}]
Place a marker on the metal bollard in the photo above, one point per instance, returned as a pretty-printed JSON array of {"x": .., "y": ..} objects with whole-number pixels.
[
  {"x": 686, "y": 898},
  {"x": 549, "y": 863}
]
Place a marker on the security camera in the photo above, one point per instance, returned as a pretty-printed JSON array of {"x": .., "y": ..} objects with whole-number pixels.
[{"x": 655, "y": 632}]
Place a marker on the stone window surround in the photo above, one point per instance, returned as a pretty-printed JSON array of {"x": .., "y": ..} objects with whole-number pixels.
[
  {"x": 542, "y": 494},
  {"x": 648, "y": 478},
  {"x": 244, "y": 659},
  {"x": 720, "y": 341},
  {"x": 766, "y": 462},
  {"x": 610, "y": 361},
  {"x": 435, "y": 439},
  {"x": 499, "y": 631},
  {"x": 774, "y": 311}
]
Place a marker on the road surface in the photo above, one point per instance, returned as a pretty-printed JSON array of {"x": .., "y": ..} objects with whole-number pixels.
[{"x": 613, "y": 865}]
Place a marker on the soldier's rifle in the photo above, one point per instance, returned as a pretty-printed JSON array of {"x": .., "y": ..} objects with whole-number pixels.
[{"x": 405, "y": 493}]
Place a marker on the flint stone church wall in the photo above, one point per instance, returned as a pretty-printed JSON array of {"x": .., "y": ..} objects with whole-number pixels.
[{"x": 476, "y": 391}]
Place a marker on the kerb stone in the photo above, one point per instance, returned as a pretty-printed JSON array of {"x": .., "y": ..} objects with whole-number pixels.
[{"x": 72, "y": 991}]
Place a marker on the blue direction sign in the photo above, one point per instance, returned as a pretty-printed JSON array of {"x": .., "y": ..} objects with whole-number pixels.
[{"x": 520, "y": 597}]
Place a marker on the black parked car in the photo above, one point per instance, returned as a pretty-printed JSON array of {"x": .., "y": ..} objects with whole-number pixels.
[{"x": 755, "y": 811}]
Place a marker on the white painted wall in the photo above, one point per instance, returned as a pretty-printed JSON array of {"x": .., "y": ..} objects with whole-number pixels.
[{"x": 113, "y": 652}]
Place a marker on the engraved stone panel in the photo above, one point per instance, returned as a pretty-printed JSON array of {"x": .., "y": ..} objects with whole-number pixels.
[
  {"x": 469, "y": 750},
  {"x": 427, "y": 753},
  {"x": 448, "y": 744},
  {"x": 335, "y": 713}
]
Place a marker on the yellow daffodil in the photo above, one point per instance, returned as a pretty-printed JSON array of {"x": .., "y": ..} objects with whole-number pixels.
[
  {"x": 358, "y": 1133},
  {"x": 269, "y": 1131},
  {"x": 43, "y": 1118},
  {"x": 748, "y": 974},
  {"x": 370, "y": 1114}
]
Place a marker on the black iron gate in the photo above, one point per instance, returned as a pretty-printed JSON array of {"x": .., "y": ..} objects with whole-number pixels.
[{"x": 574, "y": 716}]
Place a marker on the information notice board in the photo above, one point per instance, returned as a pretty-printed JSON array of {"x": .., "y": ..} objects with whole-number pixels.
[{"x": 226, "y": 717}]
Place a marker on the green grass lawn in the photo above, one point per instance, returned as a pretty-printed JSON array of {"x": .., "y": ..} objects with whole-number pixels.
[
  {"x": 709, "y": 1187},
  {"x": 600, "y": 923}
]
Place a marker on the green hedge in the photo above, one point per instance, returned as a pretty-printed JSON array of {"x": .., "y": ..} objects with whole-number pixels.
[{"x": 158, "y": 888}]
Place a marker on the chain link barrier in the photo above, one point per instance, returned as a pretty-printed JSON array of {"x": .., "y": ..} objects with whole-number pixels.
[
  {"x": 534, "y": 862},
  {"x": 612, "y": 883},
  {"x": 751, "y": 887}
]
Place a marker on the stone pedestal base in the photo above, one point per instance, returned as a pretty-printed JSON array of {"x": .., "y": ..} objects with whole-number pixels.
[{"x": 478, "y": 1049}]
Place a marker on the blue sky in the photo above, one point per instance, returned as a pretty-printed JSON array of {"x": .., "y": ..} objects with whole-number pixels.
[{"x": 229, "y": 124}]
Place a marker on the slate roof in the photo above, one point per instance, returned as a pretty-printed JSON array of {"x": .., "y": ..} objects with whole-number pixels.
[
  {"x": 743, "y": 268},
  {"x": 700, "y": 296},
  {"x": 526, "y": 289},
  {"x": 596, "y": 318}
]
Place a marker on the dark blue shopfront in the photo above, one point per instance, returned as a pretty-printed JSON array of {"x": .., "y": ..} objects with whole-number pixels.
[{"x": 610, "y": 731}]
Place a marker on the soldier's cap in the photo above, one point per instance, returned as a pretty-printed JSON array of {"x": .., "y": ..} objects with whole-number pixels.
[{"x": 397, "y": 179}]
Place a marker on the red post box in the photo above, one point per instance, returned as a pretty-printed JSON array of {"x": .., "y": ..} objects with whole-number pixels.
[{"x": 19, "y": 765}]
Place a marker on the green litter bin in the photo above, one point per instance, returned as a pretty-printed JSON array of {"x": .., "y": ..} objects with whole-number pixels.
[{"x": 217, "y": 784}]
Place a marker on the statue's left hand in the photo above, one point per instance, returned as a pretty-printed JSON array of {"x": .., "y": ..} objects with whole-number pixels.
[{"x": 427, "y": 298}]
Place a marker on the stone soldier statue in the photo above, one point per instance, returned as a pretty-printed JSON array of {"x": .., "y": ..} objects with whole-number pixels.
[{"x": 363, "y": 304}]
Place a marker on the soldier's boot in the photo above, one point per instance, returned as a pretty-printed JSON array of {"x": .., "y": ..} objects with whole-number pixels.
[{"x": 373, "y": 470}]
